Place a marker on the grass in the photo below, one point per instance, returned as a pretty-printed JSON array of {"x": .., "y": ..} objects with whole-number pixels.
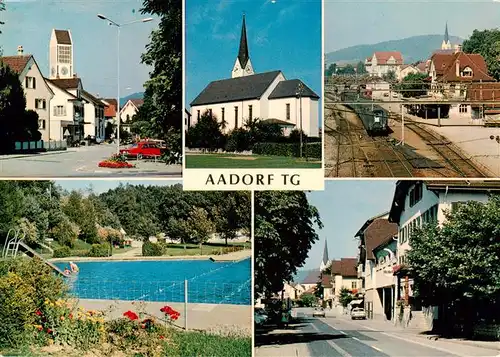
[
  {"x": 174, "y": 249},
  {"x": 203, "y": 344},
  {"x": 233, "y": 161}
]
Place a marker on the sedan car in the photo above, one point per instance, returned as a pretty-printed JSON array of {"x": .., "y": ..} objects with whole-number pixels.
[
  {"x": 319, "y": 312},
  {"x": 146, "y": 149},
  {"x": 358, "y": 313}
]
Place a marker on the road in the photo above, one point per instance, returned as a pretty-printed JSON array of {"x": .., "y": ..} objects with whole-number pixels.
[
  {"x": 339, "y": 336},
  {"x": 79, "y": 162}
]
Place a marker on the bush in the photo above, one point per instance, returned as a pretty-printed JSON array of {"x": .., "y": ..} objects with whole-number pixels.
[
  {"x": 25, "y": 284},
  {"x": 65, "y": 232},
  {"x": 62, "y": 252},
  {"x": 238, "y": 140},
  {"x": 312, "y": 150},
  {"x": 150, "y": 249},
  {"x": 99, "y": 250}
]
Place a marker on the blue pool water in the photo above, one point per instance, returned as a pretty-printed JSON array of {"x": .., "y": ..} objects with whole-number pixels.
[{"x": 208, "y": 282}]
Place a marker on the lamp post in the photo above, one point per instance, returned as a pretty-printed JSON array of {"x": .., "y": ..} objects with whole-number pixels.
[
  {"x": 119, "y": 26},
  {"x": 300, "y": 88}
]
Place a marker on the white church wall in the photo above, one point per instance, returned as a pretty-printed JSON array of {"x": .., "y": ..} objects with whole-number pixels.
[
  {"x": 265, "y": 102},
  {"x": 277, "y": 109}
]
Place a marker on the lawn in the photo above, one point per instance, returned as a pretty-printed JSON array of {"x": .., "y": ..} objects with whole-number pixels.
[
  {"x": 175, "y": 249},
  {"x": 232, "y": 161}
]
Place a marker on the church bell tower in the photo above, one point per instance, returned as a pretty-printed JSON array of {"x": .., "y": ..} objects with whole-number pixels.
[
  {"x": 61, "y": 54},
  {"x": 243, "y": 66},
  {"x": 446, "y": 45}
]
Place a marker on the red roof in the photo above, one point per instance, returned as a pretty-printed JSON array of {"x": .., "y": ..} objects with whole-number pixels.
[
  {"x": 346, "y": 267},
  {"x": 16, "y": 63},
  {"x": 326, "y": 281},
  {"x": 137, "y": 102},
  {"x": 422, "y": 67},
  {"x": 66, "y": 83},
  {"x": 380, "y": 231},
  {"x": 445, "y": 65},
  {"x": 384, "y": 56}
]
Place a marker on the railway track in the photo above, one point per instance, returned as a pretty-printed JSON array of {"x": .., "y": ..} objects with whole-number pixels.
[{"x": 463, "y": 166}]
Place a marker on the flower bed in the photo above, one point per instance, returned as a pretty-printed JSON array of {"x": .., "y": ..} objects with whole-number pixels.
[{"x": 116, "y": 162}]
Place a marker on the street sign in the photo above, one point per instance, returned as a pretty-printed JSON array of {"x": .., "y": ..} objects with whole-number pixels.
[{"x": 66, "y": 132}]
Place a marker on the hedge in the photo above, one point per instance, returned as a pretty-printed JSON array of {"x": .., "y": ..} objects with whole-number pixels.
[
  {"x": 150, "y": 249},
  {"x": 62, "y": 252},
  {"x": 312, "y": 150},
  {"x": 99, "y": 250}
]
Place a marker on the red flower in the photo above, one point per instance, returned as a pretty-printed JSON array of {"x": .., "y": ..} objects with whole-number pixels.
[
  {"x": 49, "y": 330},
  {"x": 131, "y": 315},
  {"x": 38, "y": 313},
  {"x": 162, "y": 337},
  {"x": 70, "y": 316}
]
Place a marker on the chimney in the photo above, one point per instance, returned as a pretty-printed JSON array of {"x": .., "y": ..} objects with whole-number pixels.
[
  {"x": 20, "y": 50},
  {"x": 458, "y": 48},
  {"x": 457, "y": 66}
]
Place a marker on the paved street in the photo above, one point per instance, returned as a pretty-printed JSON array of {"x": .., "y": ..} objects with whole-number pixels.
[
  {"x": 79, "y": 162},
  {"x": 339, "y": 336}
]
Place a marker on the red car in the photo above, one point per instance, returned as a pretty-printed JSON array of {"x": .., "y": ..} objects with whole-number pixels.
[{"x": 143, "y": 149}]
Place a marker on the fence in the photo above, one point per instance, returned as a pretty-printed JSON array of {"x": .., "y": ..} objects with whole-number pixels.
[
  {"x": 40, "y": 145},
  {"x": 152, "y": 295}
]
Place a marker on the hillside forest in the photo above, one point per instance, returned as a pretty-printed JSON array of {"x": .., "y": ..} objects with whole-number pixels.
[{"x": 46, "y": 212}]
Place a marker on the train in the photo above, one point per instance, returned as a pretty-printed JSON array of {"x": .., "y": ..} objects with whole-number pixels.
[{"x": 373, "y": 116}]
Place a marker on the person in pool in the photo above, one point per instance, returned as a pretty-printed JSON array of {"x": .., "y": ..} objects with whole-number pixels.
[
  {"x": 74, "y": 267},
  {"x": 67, "y": 271}
]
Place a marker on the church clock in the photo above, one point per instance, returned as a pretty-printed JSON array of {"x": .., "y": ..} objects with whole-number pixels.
[{"x": 64, "y": 71}]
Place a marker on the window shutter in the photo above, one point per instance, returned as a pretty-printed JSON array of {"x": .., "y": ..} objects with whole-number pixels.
[{"x": 34, "y": 83}]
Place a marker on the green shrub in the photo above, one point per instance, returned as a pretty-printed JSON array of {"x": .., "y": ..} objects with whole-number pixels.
[
  {"x": 238, "y": 140},
  {"x": 312, "y": 150},
  {"x": 62, "y": 252},
  {"x": 150, "y": 249},
  {"x": 99, "y": 250}
]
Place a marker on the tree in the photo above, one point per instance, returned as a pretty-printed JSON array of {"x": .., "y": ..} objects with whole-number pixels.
[
  {"x": 206, "y": 133},
  {"x": 487, "y": 44},
  {"x": 161, "y": 113},
  {"x": 331, "y": 70},
  {"x": 200, "y": 226},
  {"x": 284, "y": 233},
  {"x": 232, "y": 213},
  {"x": 414, "y": 85},
  {"x": 389, "y": 76},
  {"x": 307, "y": 300},
  {"x": 457, "y": 264},
  {"x": 360, "y": 68},
  {"x": 345, "y": 297},
  {"x": 346, "y": 70},
  {"x": 146, "y": 227}
]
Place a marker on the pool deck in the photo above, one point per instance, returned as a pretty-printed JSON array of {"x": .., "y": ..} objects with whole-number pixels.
[
  {"x": 206, "y": 317},
  {"x": 230, "y": 257}
]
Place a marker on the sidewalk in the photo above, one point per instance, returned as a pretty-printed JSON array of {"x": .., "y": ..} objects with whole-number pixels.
[
  {"x": 286, "y": 349},
  {"x": 410, "y": 334}
]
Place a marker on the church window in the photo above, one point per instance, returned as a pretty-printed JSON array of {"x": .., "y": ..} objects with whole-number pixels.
[
  {"x": 223, "y": 114},
  {"x": 287, "y": 111},
  {"x": 210, "y": 112},
  {"x": 250, "y": 112},
  {"x": 235, "y": 117},
  {"x": 64, "y": 54},
  {"x": 198, "y": 115},
  {"x": 462, "y": 108},
  {"x": 128, "y": 117}
]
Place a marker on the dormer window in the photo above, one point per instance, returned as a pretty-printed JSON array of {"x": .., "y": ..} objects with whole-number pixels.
[{"x": 467, "y": 72}]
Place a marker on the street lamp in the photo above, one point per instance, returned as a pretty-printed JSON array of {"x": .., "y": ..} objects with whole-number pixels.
[
  {"x": 300, "y": 88},
  {"x": 119, "y": 26}
]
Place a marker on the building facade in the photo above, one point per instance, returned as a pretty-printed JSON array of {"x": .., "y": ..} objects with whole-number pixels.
[
  {"x": 128, "y": 111},
  {"x": 383, "y": 62}
]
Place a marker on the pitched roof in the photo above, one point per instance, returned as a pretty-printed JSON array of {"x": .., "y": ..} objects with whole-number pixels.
[
  {"x": 422, "y": 67},
  {"x": 345, "y": 267},
  {"x": 110, "y": 110},
  {"x": 61, "y": 88},
  {"x": 445, "y": 65},
  {"x": 325, "y": 254},
  {"x": 446, "y": 36},
  {"x": 93, "y": 98},
  {"x": 63, "y": 37},
  {"x": 368, "y": 222},
  {"x": 326, "y": 281},
  {"x": 236, "y": 89},
  {"x": 379, "y": 232},
  {"x": 287, "y": 89},
  {"x": 16, "y": 63},
  {"x": 66, "y": 83},
  {"x": 312, "y": 278},
  {"x": 243, "y": 56},
  {"x": 384, "y": 56},
  {"x": 137, "y": 102},
  {"x": 111, "y": 101}
]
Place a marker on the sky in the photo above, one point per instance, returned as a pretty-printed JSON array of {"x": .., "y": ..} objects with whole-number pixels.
[
  {"x": 383, "y": 20},
  {"x": 101, "y": 186},
  {"x": 30, "y": 22},
  {"x": 285, "y": 35},
  {"x": 344, "y": 207}
]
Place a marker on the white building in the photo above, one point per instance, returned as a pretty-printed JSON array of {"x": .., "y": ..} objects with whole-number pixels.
[
  {"x": 268, "y": 96},
  {"x": 383, "y": 62},
  {"x": 379, "y": 89},
  {"x": 405, "y": 70},
  {"x": 94, "y": 121},
  {"x": 419, "y": 202},
  {"x": 36, "y": 90},
  {"x": 128, "y": 111},
  {"x": 61, "y": 54}
]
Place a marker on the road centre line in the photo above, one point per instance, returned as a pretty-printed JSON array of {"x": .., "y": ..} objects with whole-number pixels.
[{"x": 343, "y": 352}]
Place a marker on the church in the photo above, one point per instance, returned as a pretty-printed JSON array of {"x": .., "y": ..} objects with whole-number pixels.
[{"x": 248, "y": 95}]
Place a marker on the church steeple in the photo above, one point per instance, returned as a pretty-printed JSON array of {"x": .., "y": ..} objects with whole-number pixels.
[
  {"x": 446, "y": 45},
  {"x": 243, "y": 66},
  {"x": 326, "y": 259}
]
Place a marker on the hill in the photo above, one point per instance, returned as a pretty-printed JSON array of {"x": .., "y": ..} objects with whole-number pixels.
[
  {"x": 413, "y": 49},
  {"x": 138, "y": 95}
]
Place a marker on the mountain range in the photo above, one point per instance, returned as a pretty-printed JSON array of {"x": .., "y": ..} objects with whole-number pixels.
[
  {"x": 138, "y": 95},
  {"x": 413, "y": 49}
]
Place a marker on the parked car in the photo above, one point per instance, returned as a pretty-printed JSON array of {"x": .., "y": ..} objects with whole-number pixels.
[
  {"x": 143, "y": 149},
  {"x": 260, "y": 316},
  {"x": 319, "y": 312},
  {"x": 358, "y": 313}
]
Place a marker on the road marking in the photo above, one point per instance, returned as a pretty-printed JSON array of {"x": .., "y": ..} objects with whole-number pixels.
[
  {"x": 376, "y": 348},
  {"x": 334, "y": 345}
]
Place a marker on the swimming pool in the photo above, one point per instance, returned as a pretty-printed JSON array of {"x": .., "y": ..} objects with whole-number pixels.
[{"x": 208, "y": 282}]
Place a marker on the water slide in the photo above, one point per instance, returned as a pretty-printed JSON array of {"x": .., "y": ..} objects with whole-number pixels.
[{"x": 30, "y": 252}]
